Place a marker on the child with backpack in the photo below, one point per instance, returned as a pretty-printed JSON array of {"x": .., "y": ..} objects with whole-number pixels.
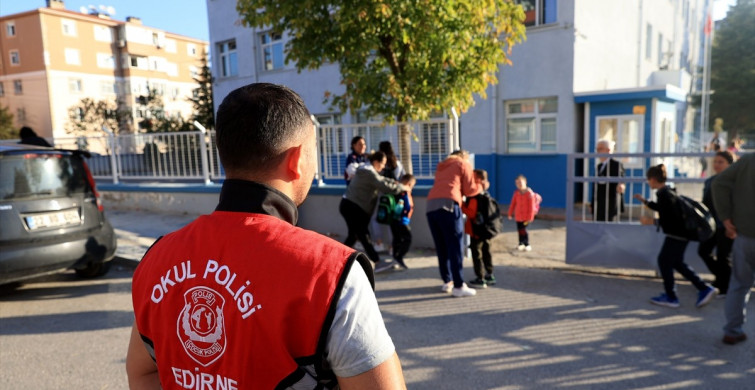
[
  {"x": 671, "y": 256},
  {"x": 483, "y": 223},
  {"x": 525, "y": 204},
  {"x": 400, "y": 230}
]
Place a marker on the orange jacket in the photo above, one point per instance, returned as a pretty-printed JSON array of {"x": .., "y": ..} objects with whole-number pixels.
[{"x": 454, "y": 178}]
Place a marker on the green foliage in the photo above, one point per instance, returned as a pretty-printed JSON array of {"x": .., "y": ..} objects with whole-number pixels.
[
  {"x": 733, "y": 69},
  {"x": 202, "y": 98},
  {"x": 90, "y": 115},
  {"x": 154, "y": 120},
  {"x": 398, "y": 59},
  {"x": 7, "y": 131}
]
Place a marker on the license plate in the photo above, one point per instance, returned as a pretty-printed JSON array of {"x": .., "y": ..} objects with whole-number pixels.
[{"x": 55, "y": 219}]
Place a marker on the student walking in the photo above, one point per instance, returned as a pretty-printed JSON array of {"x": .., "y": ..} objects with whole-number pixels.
[
  {"x": 671, "y": 256},
  {"x": 480, "y": 210},
  {"x": 525, "y": 204},
  {"x": 400, "y": 230}
]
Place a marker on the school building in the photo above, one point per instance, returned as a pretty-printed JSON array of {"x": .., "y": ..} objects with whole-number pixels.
[{"x": 589, "y": 69}]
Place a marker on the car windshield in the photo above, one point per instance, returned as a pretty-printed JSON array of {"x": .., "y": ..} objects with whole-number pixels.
[{"x": 32, "y": 175}]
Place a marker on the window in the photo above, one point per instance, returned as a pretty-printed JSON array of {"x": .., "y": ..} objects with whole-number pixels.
[
  {"x": 660, "y": 49},
  {"x": 69, "y": 27},
  {"x": 373, "y": 133},
  {"x": 107, "y": 87},
  {"x": 272, "y": 51},
  {"x": 170, "y": 45},
  {"x": 191, "y": 49},
  {"x": 103, "y": 34},
  {"x": 105, "y": 60},
  {"x": 21, "y": 114},
  {"x": 434, "y": 139},
  {"x": 10, "y": 29},
  {"x": 15, "y": 58},
  {"x": 538, "y": 12},
  {"x": 332, "y": 137},
  {"x": 228, "y": 61},
  {"x": 74, "y": 85},
  {"x": 72, "y": 57},
  {"x": 2, "y": 89},
  {"x": 649, "y": 42},
  {"x": 18, "y": 87},
  {"x": 531, "y": 125},
  {"x": 138, "y": 62}
]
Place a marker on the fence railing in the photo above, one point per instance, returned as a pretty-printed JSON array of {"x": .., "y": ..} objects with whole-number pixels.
[{"x": 193, "y": 156}]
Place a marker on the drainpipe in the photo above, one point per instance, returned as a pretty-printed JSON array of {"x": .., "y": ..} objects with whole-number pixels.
[
  {"x": 639, "y": 44},
  {"x": 494, "y": 135},
  {"x": 203, "y": 152}
]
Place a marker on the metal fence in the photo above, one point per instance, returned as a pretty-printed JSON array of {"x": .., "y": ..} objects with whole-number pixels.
[
  {"x": 193, "y": 156},
  {"x": 624, "y": 242}
]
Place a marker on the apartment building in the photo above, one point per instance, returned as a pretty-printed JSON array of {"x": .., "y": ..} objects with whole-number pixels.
[
  {"x": 51, "y": 58},
  {"x": 589, "y": 69}
]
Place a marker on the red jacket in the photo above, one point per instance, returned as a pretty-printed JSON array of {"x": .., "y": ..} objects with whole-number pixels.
[
  {"x": 524, "y": 205},
  {"x": 221, "y": 305}
]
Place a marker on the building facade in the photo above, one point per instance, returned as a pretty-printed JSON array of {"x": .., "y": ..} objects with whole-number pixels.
[
  {"x": 51, "y": 58},
  {"x": 589, "y": 69}
]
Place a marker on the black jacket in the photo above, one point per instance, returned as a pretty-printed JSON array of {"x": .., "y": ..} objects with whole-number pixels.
[{"x": 670, "y": 213}]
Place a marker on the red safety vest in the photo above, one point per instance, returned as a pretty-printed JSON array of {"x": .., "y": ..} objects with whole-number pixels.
[{"x": 239, "y": 301}]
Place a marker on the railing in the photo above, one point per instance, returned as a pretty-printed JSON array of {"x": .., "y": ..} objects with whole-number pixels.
[
  {"x": 623, "y": 242},
  {"x": 193, "y": 157}
]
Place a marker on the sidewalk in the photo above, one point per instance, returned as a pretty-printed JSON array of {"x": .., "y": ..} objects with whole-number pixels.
[{"x": 545, "y": 325}]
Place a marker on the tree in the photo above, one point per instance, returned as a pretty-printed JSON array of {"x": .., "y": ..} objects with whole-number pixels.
[
  {"x": 90, "y": 115},
  {"x": 154, "y": 120},
  {"x": 204, "y": 111},
  {"x": 733, "y": 69},
  {"x": 7, "y": 130},
  {"x": 399, "y": 60}
]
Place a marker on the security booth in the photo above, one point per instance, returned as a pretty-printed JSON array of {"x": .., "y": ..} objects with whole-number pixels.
[{"x": 643, "y": 125}]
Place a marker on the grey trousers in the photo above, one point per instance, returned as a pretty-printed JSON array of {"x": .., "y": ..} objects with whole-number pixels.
[{"x": 742, "y": 279}]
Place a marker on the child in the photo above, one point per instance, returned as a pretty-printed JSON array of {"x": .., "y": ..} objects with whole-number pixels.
[
  {"x": 671, "y": 256},
  {"x": 479, "y": 245},
  {"x": 523, "y": 206},
  {"x": 402, "y": 233}
]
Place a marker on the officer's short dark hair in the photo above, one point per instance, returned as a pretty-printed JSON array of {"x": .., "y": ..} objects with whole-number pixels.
[{"x": 256, "y": 124}]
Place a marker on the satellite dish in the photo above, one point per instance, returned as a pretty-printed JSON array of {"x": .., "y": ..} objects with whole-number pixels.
[
  {"x": 111, "y": 10},
  {"x": 83, "y": 9}
]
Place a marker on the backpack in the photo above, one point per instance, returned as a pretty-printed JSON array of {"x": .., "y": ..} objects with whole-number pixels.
[
  {"x": 488, "y": 221},
  {"x": 388, "y": 209},
  {"x": 538, "y": 200},
  {"x": 699, "y": 224}
]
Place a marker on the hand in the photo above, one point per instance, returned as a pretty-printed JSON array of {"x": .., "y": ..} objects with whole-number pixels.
[
  {"x": 620, "y": 188},
  {"x": 731, "y": 230},
  {"x": 639, "y": 197},
  {"x": 645, "y": 220},
  {"x": 509, "y": 217}
]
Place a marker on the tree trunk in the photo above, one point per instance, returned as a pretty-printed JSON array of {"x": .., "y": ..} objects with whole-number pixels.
[{"x": 405, "y": 147}]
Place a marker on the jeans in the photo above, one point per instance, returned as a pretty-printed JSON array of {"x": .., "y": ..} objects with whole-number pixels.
[
  {"x": 358, "y": 222},
  {"x": 672, "y": 258},
  {"x": 481, "y": 258},
  {"x": 447, "y": 229},
  {"x": 402, "y": 240},
  {"x": 718, "y": 265},
  {"x": 742, "y": 278}
]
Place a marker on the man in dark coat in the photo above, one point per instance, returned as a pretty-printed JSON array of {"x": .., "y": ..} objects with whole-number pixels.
[
  {"x": 607, "y": 198},
  {"x": 29, "y": 137}
]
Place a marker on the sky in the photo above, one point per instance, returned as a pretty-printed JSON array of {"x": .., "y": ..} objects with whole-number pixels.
[{"x": 184, "y": 17}]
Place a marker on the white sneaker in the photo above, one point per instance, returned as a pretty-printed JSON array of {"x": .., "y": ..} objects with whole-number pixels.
[
  {"x": 379, "y": 248},
  {"x": 528, "y": 248},
  {"x": 446, "y": 288},
  {"x": 463, "y": 291},
  {"x": 520, "y": 247},
  {"x": 383, "y": 265}
]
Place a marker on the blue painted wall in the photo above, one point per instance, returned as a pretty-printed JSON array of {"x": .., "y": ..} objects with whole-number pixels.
[{"x": 546, "y": 175}]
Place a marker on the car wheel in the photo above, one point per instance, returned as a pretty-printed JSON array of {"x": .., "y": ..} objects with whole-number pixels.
[{"x": 93, "y": 269}]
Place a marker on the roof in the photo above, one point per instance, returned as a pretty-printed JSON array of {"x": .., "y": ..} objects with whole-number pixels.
[{"x": 665, "y": 92}]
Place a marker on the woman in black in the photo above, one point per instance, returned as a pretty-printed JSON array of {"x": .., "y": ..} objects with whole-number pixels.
[{"x": 671, "y": 256}]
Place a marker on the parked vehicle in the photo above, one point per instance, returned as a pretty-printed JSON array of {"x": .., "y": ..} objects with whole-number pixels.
[{"x": 51, "y": 216}]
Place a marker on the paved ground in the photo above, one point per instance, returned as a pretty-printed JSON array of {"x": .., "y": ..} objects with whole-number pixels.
[{"x": 545, "y": 325}]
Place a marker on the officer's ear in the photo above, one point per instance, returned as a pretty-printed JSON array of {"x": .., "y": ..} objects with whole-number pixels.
[{"x": 294, "y": 162}]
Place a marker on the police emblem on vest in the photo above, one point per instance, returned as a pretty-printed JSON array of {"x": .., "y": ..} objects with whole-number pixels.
[{"x": 200, "y": 325}]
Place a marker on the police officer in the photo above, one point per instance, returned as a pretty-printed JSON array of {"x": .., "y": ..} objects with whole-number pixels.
[{"x": 242, "y": 298}]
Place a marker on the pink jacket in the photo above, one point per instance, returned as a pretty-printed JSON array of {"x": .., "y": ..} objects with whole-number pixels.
[
  {"x": 524, "y": 205},
  {"x": 454, "y": 177}
]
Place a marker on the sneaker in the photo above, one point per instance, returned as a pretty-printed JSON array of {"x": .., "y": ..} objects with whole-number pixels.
[
  {"x": 490, "y": 279},
  {"x": 664, "y": 300},
  {"x": 527, "y": 248},
  {"x": 520, "y": 247},
  {"x": 731, "y": 340},
  {"x": 478, "y": 283},
  {"x": 703, "y": 297},
  {"x": 447, "y": 287},
  {"x": 463, "y": 291},
  {"x": 383, "y": 265},
  {"x": 400, "y": 264}
]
